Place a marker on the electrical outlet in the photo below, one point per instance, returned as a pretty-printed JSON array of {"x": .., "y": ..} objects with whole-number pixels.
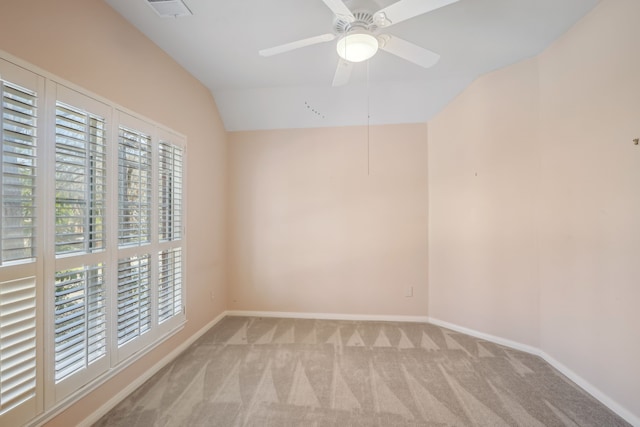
[{"x": 408, "y": 291}]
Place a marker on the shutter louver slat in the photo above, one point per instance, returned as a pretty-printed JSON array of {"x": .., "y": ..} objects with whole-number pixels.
[
  {"x": 18, "y": 118},
  {"x": 19, "y": 344},
  {"x": 14, "y": 138},
  {"x": 19, "y": 95},
  {"x": 19, "y": 357},
  {"x": 17, "y": 330},
  {"x": 70, "y": 322},
  {"x": 64, "y": 353},
  {"x": 20, "y": 386}
]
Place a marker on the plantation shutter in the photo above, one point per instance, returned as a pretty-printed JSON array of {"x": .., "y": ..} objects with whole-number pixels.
[
  {"x": 79, "y": 297},
  {"x": 169, "y": 284},
  {"x": 134, "y": 299},
  {"x": 80, "y": 180},
  {"x": 18, "y": 172},
  {"x": 80, "y": 319},
  {"x": 170, "y": 191},
  {"x": 17, "y": 342},
  {"x": 134, "y": 180},
  {"x": 19, "y": 279}
]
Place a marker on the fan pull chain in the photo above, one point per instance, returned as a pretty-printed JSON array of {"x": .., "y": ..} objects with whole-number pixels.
[{"x": 368, "y": 124}]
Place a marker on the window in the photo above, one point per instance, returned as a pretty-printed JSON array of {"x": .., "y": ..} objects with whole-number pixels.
[{"x": 98, "y": 194}]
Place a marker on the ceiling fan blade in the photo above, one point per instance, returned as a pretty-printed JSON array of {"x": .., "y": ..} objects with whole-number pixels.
[
  {"x": 343, "y": 72},
  {"x": 407, "y": 9},
  {"x": 297, "y": 44},
  {"x": 409, "y": 51},
  {"x": 340, "y": 10}
]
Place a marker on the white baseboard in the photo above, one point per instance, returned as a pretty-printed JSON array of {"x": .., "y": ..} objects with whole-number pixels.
[
  {"x": 493, "y": 338},
  {"x": 111, "y": 403},
  {"x": 328, "y": 316},
  {"x": 581, "y": 382}
]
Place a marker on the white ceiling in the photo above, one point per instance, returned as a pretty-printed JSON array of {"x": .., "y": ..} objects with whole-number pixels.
[{"x": 219, "y": 45}]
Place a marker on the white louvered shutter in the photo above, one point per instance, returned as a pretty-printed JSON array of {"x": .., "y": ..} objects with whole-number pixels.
[
  {"x": 134, "y": 298},
  {"x": 80, "y": 180},
  {"x": 18, "y": 172},
  {"x": 170, "y": 168},
  {"x": 79, "y": 298},
  {"x": 169, "y": 284},
  {"x": 17, "y": 342},
  {"x": 170, "y": 222},
  {"x": 19, "y": 283},
  {"x": 134, "y": 180},
  {"x": 80, "y": 319}
]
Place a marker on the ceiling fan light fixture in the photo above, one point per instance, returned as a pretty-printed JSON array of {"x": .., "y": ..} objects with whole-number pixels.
[{"x": 357, "y": 47}]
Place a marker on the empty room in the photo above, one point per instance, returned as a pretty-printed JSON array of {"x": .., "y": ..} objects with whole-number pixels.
[{"x": 320, "y": 213}]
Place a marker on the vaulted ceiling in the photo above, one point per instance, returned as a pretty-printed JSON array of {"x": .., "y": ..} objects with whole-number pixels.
[{"x": 219, "y": 45}]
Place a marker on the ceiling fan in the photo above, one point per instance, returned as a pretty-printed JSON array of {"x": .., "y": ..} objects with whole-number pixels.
[{"x": 359, "y": 37}]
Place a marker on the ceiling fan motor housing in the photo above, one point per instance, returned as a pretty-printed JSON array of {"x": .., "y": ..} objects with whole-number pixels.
[{"x": 363, "y": 22}]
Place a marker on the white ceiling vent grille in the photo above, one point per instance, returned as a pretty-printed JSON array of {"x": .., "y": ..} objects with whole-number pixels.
[{"x": 170, "y": 8}]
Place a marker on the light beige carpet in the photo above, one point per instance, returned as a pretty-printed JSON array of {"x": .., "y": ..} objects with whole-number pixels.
[{"x": 287, "y": 372}]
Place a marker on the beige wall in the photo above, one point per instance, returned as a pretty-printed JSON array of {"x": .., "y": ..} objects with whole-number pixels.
[
  {"x": 311, "y": 231},
  {"x": 590, "y": 200},
  {"x": 483, "y": 173},
  {"x": 89, "y": 44},
  {"x": 543, "y": 246}
]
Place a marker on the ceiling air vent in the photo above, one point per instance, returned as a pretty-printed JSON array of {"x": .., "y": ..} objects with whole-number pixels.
[{"x": 170, "y": 8}]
